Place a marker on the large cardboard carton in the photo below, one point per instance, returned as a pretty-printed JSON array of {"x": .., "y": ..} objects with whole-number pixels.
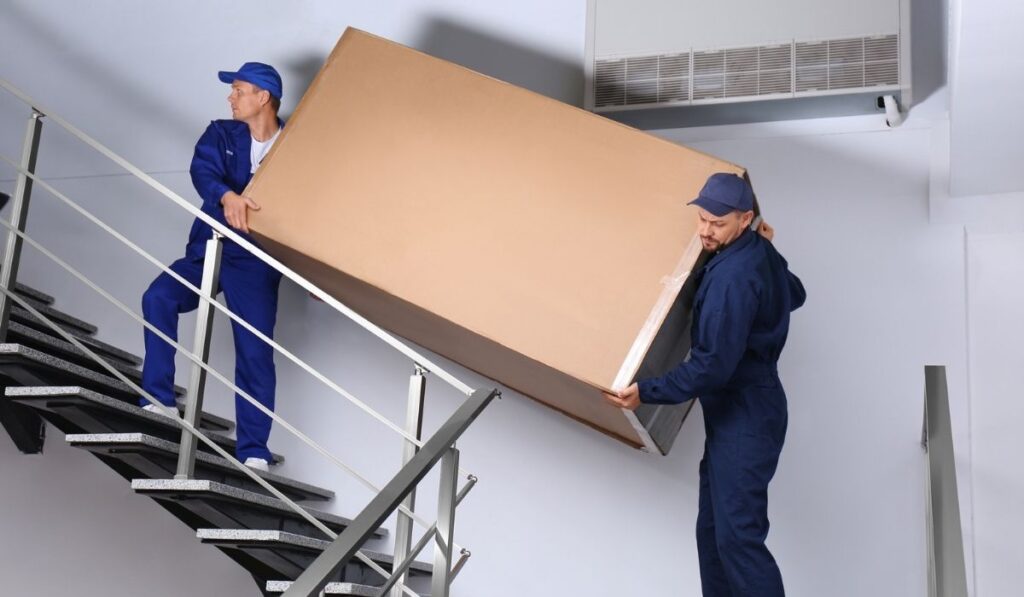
[{"x": 531, "y": 241}]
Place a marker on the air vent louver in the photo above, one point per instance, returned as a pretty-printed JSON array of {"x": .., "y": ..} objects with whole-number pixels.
[{"x": 796, "y": 68}]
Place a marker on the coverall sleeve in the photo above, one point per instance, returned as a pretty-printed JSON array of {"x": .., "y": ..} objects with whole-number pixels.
[
  {"x": 796, "y": 292},
  {"x": 724, "y": 328},
  {"x": 209, "y": 171}
]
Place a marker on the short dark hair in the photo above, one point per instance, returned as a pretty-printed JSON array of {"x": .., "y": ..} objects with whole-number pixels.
[{"x": 275, "y": 102}]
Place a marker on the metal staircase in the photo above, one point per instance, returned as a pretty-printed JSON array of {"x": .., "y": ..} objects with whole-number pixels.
[
  {"x": 55, "y": 371},
  {"x": 224, "y": 507}
]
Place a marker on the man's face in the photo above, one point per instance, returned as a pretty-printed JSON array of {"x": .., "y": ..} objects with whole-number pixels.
[
  {"x": 246, "y": 100},
  {"x": 716, "y": 232}
]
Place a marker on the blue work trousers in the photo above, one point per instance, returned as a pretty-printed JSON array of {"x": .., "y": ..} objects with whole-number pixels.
[
  {"x": 739, "y": 461},
  {"x": 250, "y": 290}
]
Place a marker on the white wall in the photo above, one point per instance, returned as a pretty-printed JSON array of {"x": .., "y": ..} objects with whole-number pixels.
[
  {"x": 560, "y": 510},
  {"x": 986, "y": 91},
  {"x": 995, "y": 296}
]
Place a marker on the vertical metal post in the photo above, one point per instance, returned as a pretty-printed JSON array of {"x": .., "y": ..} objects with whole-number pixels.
[
  {"x": 442, "y": 579},
  {"x": 947, "y": 572},
  {"x": 19, "y": 216},
  {"x": 414, "y": 427},
  {"x": 201, "y": 348}
]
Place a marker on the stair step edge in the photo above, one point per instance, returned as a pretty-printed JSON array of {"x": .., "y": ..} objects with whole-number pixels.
[
  {"x": 334, "y": 588},
  {"x": 120, "y": 405},
  {"x": 149, "y": 441},
  {"x": 59, "y": 316},
  {"x": 286, "y": 538},
  {"x": 203, "y": 486},
  {"x": 107, "y": 351},
  {"x": 62, "y": 364}
]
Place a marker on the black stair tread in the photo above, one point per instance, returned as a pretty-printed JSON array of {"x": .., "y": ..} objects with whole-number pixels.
[
  {"x": 69, "y": 396},
  {"x": 334, "y": 588},
  {"x": 32, "y": 327},
  {"x": 120, "y": 444},
  {"x": 179, "y": 489},
  {"x": 18, "y": 333},
  {"x": 64, "y": 372},
  {"x": 57, "y": 316},
  {"x": 38, "y": 295},
  {"x": 274, "y": 538},
  {"x": 64, "y": 393}
]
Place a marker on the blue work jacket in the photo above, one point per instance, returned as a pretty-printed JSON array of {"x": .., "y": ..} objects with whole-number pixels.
[
  {"x": 220, "y": 164},
  {"x": 740, "y": 323}
]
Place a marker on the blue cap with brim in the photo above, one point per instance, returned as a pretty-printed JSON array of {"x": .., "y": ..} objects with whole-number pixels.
[
  {"x": 261, "y": 75},
  {"x": 724, "y": 193}
]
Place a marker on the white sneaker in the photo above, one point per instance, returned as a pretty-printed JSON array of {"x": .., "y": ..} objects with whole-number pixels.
[
  {"x": 158, "y": 410},
  {"x": 257, "y": 464}
]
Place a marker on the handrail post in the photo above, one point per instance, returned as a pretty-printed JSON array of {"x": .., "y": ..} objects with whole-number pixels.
[
  {"x": 440, "y": 445},
  {"x": 414, "y": 427},
  {"x": 947, "y": 572},
  {"x": 19, "y": 216},
  {"x": 444, "y": 538},
  {"x": 201, "y": 348}
]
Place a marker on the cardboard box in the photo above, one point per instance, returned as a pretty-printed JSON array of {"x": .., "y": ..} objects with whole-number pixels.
[{"x": 536, "y": 243}]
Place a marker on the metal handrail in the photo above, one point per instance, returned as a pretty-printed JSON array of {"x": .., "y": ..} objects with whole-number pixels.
[
  {"x": 248, "y": 246},
  {"x": 441, "y": 445},
  {"x": 173, "y": 414},
  {"x": 170, "y": 413},
  {"x": 442, "y": 530},
  {"x": 207, "y": 299},
  {"x": 947, "y": 572},
  {"x": 398, "y": 570},
  {"x": 205, "y": 366}
]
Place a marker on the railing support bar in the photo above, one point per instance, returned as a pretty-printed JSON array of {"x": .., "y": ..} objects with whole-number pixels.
[
  {"x": 441, "y": 580},
  {"x": 201, "y": 348},
  {"x": 414, "y": 427},
  {"x": 19, "y": 215},
  {"x": 429, "y": 534},
  {"x": 464, "y": 556},
  {"x": 318, "y": 574},
  {"x": 947, "y": 573},
  {"x": 401, "y": 569}
]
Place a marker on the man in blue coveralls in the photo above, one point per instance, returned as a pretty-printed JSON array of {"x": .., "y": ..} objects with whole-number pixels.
[
  {"x": 740, "y": 323},
  {"x": 225, "y": 158}
]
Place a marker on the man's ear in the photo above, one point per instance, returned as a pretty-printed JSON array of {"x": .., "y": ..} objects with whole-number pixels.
[
  {"x": 264, "y": 97},
  {"x": 746, "y": 218}
]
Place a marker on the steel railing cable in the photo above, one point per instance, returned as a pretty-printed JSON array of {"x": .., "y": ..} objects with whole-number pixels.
[
  {"x": 173, "y": 415},
  {"x": 223, "y": 309},
  {"x": 196, "y": 360},
  {"x": 251, "y": 248}
]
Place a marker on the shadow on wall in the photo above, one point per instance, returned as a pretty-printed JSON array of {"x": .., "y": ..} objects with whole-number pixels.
[
  {"x": 105, "y": 80},
  {"x": 928, "y": 38},
  {"x": 485, "y": 53},
  {"x": 503, "y": 59},
  {"x": 298, "y": 75}
]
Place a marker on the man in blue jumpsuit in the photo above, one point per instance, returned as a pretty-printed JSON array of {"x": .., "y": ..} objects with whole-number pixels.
[
  {"x": 225, "y": 158},
  {"x": 740, "y": 323}
]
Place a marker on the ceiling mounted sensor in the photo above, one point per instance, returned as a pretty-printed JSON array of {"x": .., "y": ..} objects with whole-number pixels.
[{"x": 675, "y": 63}]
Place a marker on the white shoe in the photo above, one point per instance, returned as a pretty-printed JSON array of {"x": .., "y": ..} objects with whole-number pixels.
[
  {"x": 158, "y": 410},
  {"x": 257, "y": 464}
]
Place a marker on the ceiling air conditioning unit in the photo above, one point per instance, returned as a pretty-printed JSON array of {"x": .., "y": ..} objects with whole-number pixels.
[{"x": 672, "y": 63}]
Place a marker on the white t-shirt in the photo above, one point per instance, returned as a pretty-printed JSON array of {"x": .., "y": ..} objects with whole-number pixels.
[{"x": 259, "y": 150}]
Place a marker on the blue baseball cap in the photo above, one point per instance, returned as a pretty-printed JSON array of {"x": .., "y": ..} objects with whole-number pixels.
[
  {"x": 261, "y": 75},
  {"x": 724, "y": 193}
]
